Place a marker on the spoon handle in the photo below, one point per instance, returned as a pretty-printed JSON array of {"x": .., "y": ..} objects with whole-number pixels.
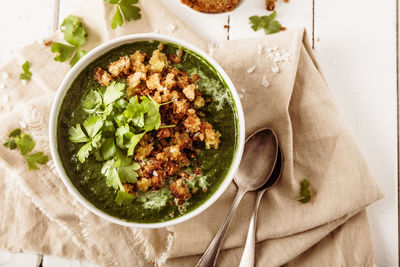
[
  {"x": 249, "y": 249},
  {"x": 209, "y": 257}
]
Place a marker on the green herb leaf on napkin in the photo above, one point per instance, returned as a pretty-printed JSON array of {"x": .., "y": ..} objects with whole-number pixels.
[
  {"x": 124, "y": 9},
  {"x": 26, "y": 75},
  {"x": 268, "y": 23},
  {"x": 305, "y": 192},
  {"x": 25, "y": 144},
  {"x": 75, "y": 34}
]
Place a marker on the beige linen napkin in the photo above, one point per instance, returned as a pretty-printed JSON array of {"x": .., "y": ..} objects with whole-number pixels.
[{"x": 39, "y": 215}]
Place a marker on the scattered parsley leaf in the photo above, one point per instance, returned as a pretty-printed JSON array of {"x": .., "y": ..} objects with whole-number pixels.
[
  {"x": 113, "y": 92},
  {"x": 37, "y": 158},
  {"x": 129, "y": 11},
  {"x": 25, "y": 145},
  {"x": 75, "y": 34},
  {"x": 268, "y": 23},
  {"x": 10, "y": 142},
  {"x": 124, "y": 198},
  {"x": 305, "y": 192},
  {"x": 78, "y": 55},
  {"x": 26, "y": 75},
  {"x": 64, "y": 52}
]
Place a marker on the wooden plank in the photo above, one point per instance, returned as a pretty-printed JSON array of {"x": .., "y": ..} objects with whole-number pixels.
[
  {"x": 291, "y": 15},
  {"x": 19, "y": 259},
  {"x": 355, "y": 43},
  {"x": 23, "y": 22}
]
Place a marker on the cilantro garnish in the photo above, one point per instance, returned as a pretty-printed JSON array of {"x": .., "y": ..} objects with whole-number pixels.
[
  {"x": 111, "y": 132},
  {"x": 74, "y": 34},
  {"x": 26, "y": 75},
  {"x": 91, "y": 138},
  {"x": 124, "y": 9},
  {"x": 305, "y": 192},
  {"x": 25, "y": 144},
  {"x": 268, "y": 23}
]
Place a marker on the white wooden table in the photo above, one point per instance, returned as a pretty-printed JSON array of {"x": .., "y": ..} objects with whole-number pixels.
[{"x": 355, "y": 43}]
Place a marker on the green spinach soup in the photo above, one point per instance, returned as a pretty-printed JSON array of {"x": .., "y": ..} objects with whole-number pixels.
[{"x": 148, "y": 131}]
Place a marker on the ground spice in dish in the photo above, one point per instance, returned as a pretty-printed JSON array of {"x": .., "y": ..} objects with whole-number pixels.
[{"x": 211, "y": 6}]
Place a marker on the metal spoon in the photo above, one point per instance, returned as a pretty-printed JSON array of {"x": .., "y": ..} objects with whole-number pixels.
[
  {"x": 249, "y": 249},
  {"x": 258, "y": 162}
]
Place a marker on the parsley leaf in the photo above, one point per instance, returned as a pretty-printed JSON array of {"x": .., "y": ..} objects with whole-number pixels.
[
  {"x": 108, "y": 149},
  {"x": 113, "y": 92},
  {"x": 37, "y": 158},
  {"x": 128, "y": 174},
  {"x": 92, "y": 101},
  {"x": 268, "y": 23},
  {"x": 75, "y": 34},
  {"x": 10, "y": 142},
  {"x": 124, "y": 198},
  {"x": 26, "y": 75},
  {"x": 305, "y": 192},
  {"x": 92, "y": 125},
  {"x": 134, "y": 141},
  {"x": 129, "y": 11},
  {"x": 25, "y": 145}
]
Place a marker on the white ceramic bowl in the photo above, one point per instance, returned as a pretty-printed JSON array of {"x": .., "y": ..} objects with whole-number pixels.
[{"x": 74, "y": 72}]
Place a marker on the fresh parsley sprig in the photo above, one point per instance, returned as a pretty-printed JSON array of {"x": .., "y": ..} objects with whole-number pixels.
[
  {"x": 26, "y": 75},
  {"x": 268, "y": 23},
  {"x": 74, "y": 34},
  {"x": 305, "y": 192},
  {"x": 124, "y": 9},
  {"x": 25, "y": 144},
  {"x": 112, "y": 130}
]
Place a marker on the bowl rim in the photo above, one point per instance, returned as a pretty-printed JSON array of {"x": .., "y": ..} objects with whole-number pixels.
[{"x": 76, "y": 70}]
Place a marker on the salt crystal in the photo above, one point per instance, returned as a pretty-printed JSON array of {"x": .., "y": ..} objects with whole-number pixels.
[
  {"x": 265, "y": 82},
  {"x": 274, "y": 48},
  {"x": 251, "y": 69},
  {"x": 170, "y": 28},
  {"x": 2, "y": 86},
  {"x": 275, "y": 69},
  {"x": 259, "y": 49},
  {"x": 22, "y": 124},
  {"x": 243, "y": 90},
  {"x": 269, "y": 49},
  {"x": 240, "y": 96},
  {"x": 23, "y": 82},
  {"x": 155, "y": 173},
  {"x": 5, "y": 76}
]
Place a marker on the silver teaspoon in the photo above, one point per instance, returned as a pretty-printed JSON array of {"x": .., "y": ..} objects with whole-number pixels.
[
  {"x": 258, "y": 162},
  {"x": 248, "y": 256}
]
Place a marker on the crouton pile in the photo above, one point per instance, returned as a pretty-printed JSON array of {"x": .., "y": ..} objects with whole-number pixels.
[{"x": 163, "y": 153}]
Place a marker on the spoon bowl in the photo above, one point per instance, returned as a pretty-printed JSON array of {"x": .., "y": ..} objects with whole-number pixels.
[{"x": 259, "y": 158}]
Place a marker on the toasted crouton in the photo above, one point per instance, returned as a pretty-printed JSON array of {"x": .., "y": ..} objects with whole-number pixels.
[
  {"x": 199, "y": 102},
  {"x": 102, "y": 76},
  {"x": 179, "y": 190},
  {"x": 143, "y": 184},
  {"x": 153, "y": 81},
  {"x": 158, "y": 61},
  {"x": 137, "y": 60},
  {"x": 169, "y": 81},
  {"x": 129, "y": 188},
  {"x": 143, "y": 151},
  {"x": 120, "y": 67},
  {"x": 212, "y": 138},
  {"x": 134, "y": 79},
  {"x": 173, "y": 152},
  {"x": 189, "y": 92},
  {"x": 192, "y": 123}
]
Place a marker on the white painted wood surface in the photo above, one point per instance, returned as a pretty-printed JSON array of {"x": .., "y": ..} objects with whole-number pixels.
[{"x": 355, "y": 43}]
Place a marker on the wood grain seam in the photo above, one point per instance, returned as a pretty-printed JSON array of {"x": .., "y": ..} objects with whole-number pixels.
[
  {"x": 313, "y": 25},
  {"x": 398, "y": 128}
]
